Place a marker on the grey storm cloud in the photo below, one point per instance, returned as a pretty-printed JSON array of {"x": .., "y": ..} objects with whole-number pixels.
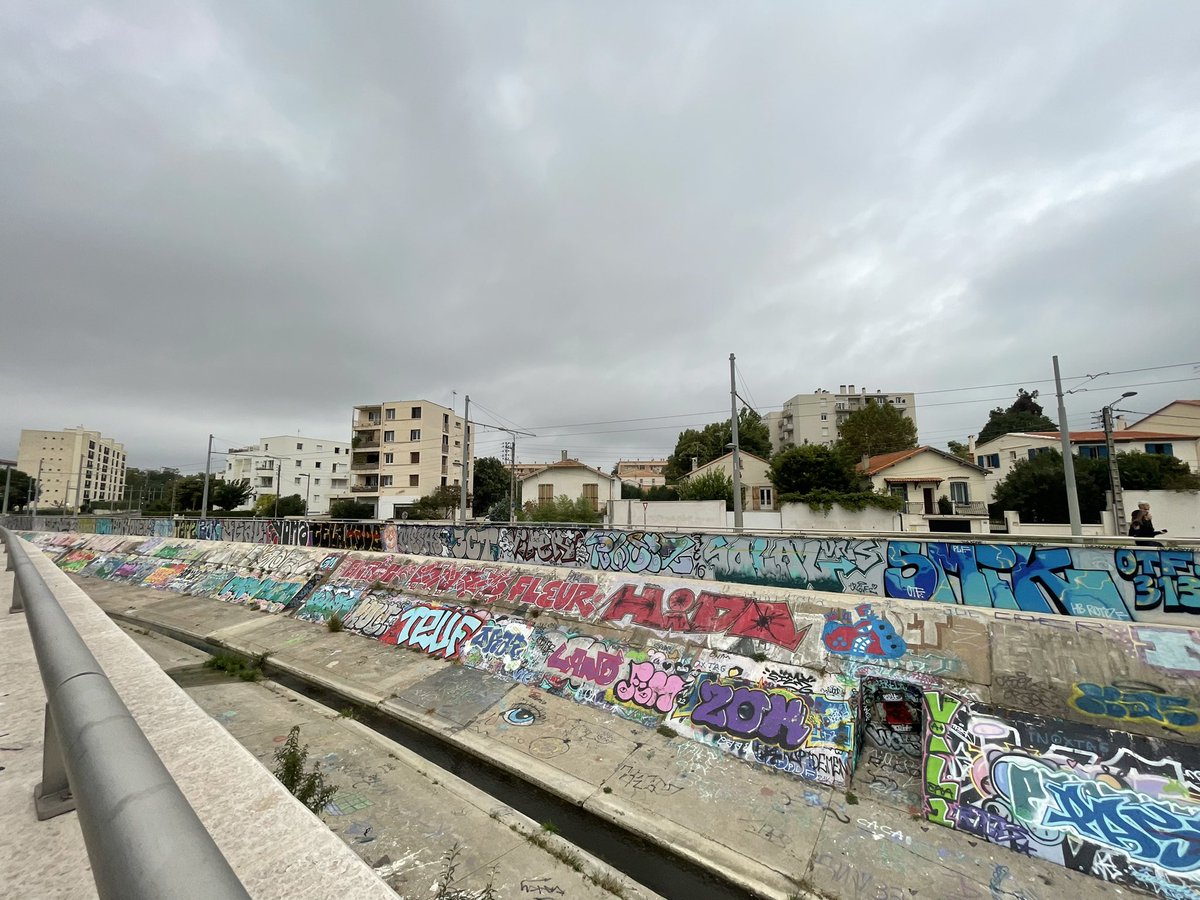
[{"x": 244, "y": 218}]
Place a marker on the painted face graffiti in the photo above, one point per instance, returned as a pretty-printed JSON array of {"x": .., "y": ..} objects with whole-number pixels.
[{"x": 869, "y": 635}]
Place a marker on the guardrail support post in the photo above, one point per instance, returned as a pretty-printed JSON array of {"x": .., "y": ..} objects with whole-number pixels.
[
  {"x": 18, "y": 599},
  {"x": 53, "y": 796}
]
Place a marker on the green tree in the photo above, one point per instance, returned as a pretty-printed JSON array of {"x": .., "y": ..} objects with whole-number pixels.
[
  {"x": 1025, "y": 414},
  {"x": 351, "y": 509},
  {"x": 561, "y": 509},
  {"x": 229, "y": 495},
  {"x": 712, "y": 441},
  {"x": 712, "y": 485},
  {"x": 1036, "y": 489},
  {"x": 18, "y": 489},
  {"x": 874, "y": 429},
  {"x": 1154, "y": 472},
  {"x": 490, "y": 484},
  {"x": 959, "y": 449},
  {"x": 264, "y": 506},
  {"x": 802, "y": 470},
  {"x": 291, "y": 505},
  {"x": 188, "y": 492},
  {"x": 441, "y": 504}
]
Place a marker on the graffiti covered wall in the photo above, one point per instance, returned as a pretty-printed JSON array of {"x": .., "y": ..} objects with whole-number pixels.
[{"x": 1124, "y": 584}]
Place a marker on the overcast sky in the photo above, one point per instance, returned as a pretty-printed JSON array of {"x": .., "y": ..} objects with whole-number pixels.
[{"x": 246, "y": 217}]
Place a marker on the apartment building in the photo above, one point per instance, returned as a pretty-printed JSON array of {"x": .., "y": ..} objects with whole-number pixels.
[
  {"x": 817, "y": 417},
  {"x": 315, "y": 468},
  {"x": 76, "y": 466},
  {"x": 642, "y": 472},
  {"x": 404, "y": 449}
]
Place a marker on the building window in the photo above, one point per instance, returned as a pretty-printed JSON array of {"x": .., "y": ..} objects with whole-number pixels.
[
  {"x": 297, "y": 481},
  {"x": 443, "y": 481},
  {"x": 414, "y": 457},
  {"x": 445, "y": 421},
  {"x": 389, "y": 458},
  {"x": 1093, "y": 451},
  {"x": 385, "y": 480},
  {"x": 316, "y": 481},
  {"x": 297, "y": 464},
  {"x": 1160, "y": 449},
  {"x": 766, "y": 497},
  {"x": 389, "y": 437},
  {"x": 988, "y": 461},
  {"x": 337, "y": 450},
  {"x": 390, "y": 415},
  {"x": 591, "y": 493},
  {"x": 899, "y": 490},
  {"x": 317, "y": 464},
  {"x": 414, "y": 480},
  {"x": 335, "y": 467},
  {"x": 268, "y": 446},
  {"x": 545, "y": 493},
  {"x": 416, "y": 412},
  {"x": 415, "y": 434},
  {"x": 960, "y": 492}
]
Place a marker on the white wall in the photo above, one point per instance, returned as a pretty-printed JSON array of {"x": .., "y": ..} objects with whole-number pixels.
[
  {"x": 1176, "y": 511},
  {"x": 799, "y": 517},
  {"x": 685, "y": 514},
  {"x": 756, "y": 520}
]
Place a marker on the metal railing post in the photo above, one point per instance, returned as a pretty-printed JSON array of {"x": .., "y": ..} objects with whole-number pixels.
[{"x": 53, "y": 796}]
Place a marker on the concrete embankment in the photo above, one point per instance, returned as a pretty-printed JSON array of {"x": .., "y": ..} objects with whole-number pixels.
[{"x": 1050, "y": 736}]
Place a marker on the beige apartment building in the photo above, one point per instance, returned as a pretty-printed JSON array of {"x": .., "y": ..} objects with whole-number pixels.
[
  {"x": 642, "y": 472},
  {"x": 817, "y": 417},
  {"x": 77, "y": 466},
  {"x": 402, "y": 450},
  {"x": 316, "y": 469}
]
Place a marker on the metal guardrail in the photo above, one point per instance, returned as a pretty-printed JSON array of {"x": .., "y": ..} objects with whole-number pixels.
[{"x": 143, "y": 838}]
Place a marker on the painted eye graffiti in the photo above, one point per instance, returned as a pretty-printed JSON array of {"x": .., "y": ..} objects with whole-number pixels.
[{"x": 521, "y": 716}]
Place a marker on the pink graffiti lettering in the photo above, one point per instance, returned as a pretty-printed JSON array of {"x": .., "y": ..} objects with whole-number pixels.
[
  {"x": 600, "y": 669},
  {"x": 647, "y": 686}
]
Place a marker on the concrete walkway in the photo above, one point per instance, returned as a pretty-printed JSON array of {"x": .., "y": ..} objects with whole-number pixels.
[
  {"x": 771, "y": 833},
  {"x": 277, "y": 848}
]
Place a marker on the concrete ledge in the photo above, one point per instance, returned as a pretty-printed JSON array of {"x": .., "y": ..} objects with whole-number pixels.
[{"x": 240, "y": 803}]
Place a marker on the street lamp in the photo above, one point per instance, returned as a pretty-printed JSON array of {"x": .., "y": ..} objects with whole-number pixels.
[
  {"x": 1114, "y": 473},
  {"x": 307, "y": 489}
]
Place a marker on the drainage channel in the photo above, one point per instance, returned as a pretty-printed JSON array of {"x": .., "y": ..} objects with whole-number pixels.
[{"x": 644, "y": 862}]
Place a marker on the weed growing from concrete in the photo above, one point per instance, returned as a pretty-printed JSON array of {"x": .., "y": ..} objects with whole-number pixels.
[
  {"x": 348, "y": 712},
  {"x": 550, "y": 827},
  {"x": 607, "y": 789},
  {"x": 759, "y": 656},
  {"x": 307, "y": 787},
  {"x": 665, "y": 731},
  {"x": 851, "y": 798},
  {"x": 334, "y": 623},
  {"x": 234, "y": 666},
  {"x": 445, "y": 883}
]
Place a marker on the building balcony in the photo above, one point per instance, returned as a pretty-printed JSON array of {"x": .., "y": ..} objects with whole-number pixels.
[
  {"x": 970, "y": 508},
  {"x": 361, "y": 443},
  {"x": 365, "y": 488},
  {"x": 364, "y": 466}
]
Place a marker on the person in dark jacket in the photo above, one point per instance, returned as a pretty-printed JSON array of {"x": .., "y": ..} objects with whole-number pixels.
[{"x": 1141, "y": 526}]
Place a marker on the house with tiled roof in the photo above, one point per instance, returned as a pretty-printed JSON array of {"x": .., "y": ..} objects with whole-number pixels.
[
  {"x": 758, "y": 493},
  {"x": 923, "y": 476},
  {"x": 1000, "y": 454},
  {"x": 572, "y": 478},
  {"x": 1178, "y": 416}
]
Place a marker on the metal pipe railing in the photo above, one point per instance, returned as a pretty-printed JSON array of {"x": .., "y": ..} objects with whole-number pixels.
[{"x": 143, "y": 838}]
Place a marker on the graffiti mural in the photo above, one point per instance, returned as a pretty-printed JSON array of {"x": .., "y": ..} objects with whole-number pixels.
[
  {"x": 437, "y": 630},
  {"x": 867, "y": 636},
  {"x": 1129, "y": 815},
  {"x": 1125, "y": 584}
]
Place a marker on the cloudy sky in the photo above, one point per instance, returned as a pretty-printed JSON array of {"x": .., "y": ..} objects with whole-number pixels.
[{"x": 245, "y": 217}]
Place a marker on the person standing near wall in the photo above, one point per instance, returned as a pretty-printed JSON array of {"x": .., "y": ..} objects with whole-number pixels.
[{"x": 1141, "y": 526}]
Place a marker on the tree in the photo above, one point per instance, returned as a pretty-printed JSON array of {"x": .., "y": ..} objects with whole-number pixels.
[
  {"x": 188, "y": 492},
  {"x": 1155, "y": 472},
  {"x": 712, "y": 485},
  {"x": 1036, "y": 489},
  {"x": 874, "y": 429},
  {"x": 18, "y": 489},
  {"x": 959, "y": 449},
  {"x": 351, "y": 509},
  {"x": 654, "y": 492},
  {"x": 562, "y": 509},
  {"x": 489, "y": 485},
  {"x": 1025, "y": 414},
  {"x": 264, "y": 506},
  {"x": 713, "y": 440},
  {"x": 802, "y": 470},
  {"x": 291, "y": 505},
  {"x": 441, "y": 504},
  {"x": 229, "y": 495}
]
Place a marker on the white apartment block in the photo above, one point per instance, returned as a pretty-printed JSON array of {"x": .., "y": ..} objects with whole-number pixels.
[
  {"x": 315, "y": 468},
  {"x": 77, "y": 466},
  {"x": 403, "y": 450},
  {"x": 817, "y": 417}
]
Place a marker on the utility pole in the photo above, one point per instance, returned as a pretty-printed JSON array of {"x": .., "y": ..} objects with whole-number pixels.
[
  {"x": 512, "y": 483},
  {"x": 1114, "y": 472},
  {"x": 737, "y": 459},
  {"x": 278, "y": 483},
  {"x": 173, "y": 496},
  {"x": 207, "y": 467},
  {"x": 7, "y": 483},
  {"x": 37, "y": 487},
  {"x": 462, "y": 492},
  {"x": 1068, "y": 458}
]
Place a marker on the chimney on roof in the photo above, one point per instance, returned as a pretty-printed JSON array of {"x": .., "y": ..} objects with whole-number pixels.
[
  {"x": 851, "y": 389},
  {"x": 564, "y": 456},
  {"x": 842, "y": 389},
  {"x": 971, "y": 445},
  {"x": 695, "y": 463},
  {"x": 866, "y": 461}
]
